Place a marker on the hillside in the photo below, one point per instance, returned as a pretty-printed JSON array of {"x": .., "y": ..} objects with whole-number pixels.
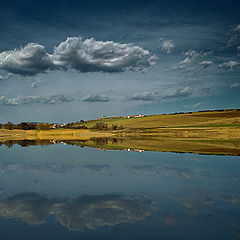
[{"x": 223, "y": 118}]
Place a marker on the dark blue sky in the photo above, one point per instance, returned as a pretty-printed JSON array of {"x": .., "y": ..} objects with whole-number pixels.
[{"x": 71, "y": 60}]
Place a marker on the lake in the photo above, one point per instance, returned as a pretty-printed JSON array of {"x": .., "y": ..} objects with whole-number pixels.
[{"x": 62, "y": 191}]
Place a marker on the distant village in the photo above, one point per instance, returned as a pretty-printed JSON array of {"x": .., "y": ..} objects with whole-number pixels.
[{"x": 130, "y": 116}]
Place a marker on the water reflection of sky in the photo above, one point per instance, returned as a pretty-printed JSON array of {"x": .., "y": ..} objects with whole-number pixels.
[{"x": 83, "y": 192}]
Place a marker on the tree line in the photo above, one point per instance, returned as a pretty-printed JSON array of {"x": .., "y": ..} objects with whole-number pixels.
[{"x": 40, "y": 126}]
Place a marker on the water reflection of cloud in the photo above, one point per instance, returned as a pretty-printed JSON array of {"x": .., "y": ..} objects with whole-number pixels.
[
  {"x": 196, "y": 202},
  {"x": 53, "y": 167},
  {"x": 169, "y": 220},
  {"x": 96, "y": 211},
  {"x": 85, "y": 212},
  {"x": 159, "y": 169},
  {"x": 236, "y": 227},
  {"x": 97, "y": 168},
  {"x": 28, "y": 207},
  {"x": 207, "y": 175},
  {"x": 232, "y": 198},
  {"x": 236, "y": 178}
]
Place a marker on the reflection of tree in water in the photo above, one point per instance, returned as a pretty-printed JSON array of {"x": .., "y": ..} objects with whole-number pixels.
[
  {"x": 26, "y": 143},
  {"x": 100, "y": 141},
  {"x": 77, "y": 142},
  {"x": 85, "y": 212}
]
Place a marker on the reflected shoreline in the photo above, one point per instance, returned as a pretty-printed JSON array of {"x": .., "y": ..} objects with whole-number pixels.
[{"x": 131, "y": 144}]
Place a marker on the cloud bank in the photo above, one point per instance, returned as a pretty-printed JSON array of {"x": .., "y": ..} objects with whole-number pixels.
[
  {"x": 87, "y": 55},
  {"x": 172, "y": 93},
  {"x": 22, "y": 100}
]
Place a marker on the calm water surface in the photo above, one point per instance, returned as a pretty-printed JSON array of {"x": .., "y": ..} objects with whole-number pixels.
[{"x": 68, "y": 192}]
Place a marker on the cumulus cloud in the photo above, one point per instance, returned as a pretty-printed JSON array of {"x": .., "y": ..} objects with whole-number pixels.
[
  {"x": 230, "y": 65},
  {"x": 166, "y": 45},
  {"x": 175, "y": 92},
  {"x": 87, "y": 55},
  {"x": 95, "y": 98},
  {"x": 30, "y": 60},
  {"x": 194, "y": 64},
  {"x": 85, "y": 212},
  {"x": 91, "y": 55},
  {"x": 235, "y": 85},
  {"x": 22, "y": 100}
]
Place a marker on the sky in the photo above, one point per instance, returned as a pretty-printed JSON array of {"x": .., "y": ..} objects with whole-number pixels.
[{"x": 67, "y": 60}]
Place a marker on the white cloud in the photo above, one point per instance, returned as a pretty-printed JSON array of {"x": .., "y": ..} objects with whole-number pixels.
[
  {"x": 235, "y": 85},
  {"x": 166, "y": 45},
  {"x": 206, "y": 63},
  {"x": 199, "y": 104},
  {"x": 95, "y": 56},
  {"x": 20, "y": 100},
  {"x": 230, "y": 65},
  {"x": 95, "y": 98},
  {"x": 30, "y": 60}
]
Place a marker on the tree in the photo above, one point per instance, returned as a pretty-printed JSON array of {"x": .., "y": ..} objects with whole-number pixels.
[{"x": 9, "y": 126}]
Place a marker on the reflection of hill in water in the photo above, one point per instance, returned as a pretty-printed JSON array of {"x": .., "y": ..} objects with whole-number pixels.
[
  {"x": 85, "y": 212},
  {"x": 138, "y": 144}
]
